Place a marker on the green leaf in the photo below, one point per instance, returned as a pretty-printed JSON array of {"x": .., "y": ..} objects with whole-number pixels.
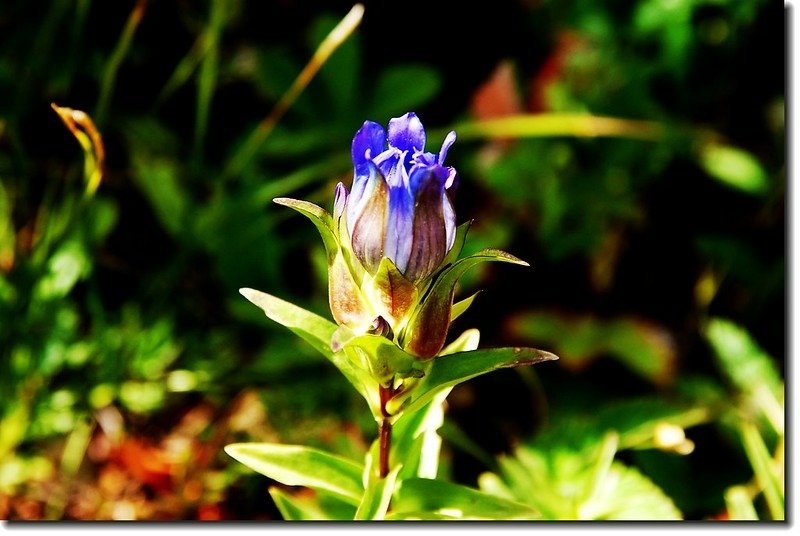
[
  {"x": 734, "y": 167},
  {"x": 321, "y": 219},
  {"x": 295, "y": 509},
  {"x": 321, "y": 507},
  {"x": 739, "y": 504},
  {"x": 741, "y": 359},
  {"x": 460, "y": 307},
  {"x": 415, "y": 440},
  {"x": 420, "y": 496},
  {"x": 403, "y": 87},
  {"x": 767, "y": 474},
  {"x": 644, "y": 347},
  {"x": 158, "y": 178},
  {"x": 566, "y": 481},
  {"x": 296, "y": 465},
  {"x": 310, "y": 327},
  {"x": 466, "y": 342},
  {"x": 452, "y": 369},
  {"x": 375, "y": 501}
]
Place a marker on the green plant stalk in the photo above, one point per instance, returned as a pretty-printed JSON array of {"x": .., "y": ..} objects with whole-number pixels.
[
  {"x": 206, "y": 82},
  {"x": 548, "y": 125},
  {"x": 765, "y": 475},
  {"x": 116, "y": 59},
  {"x": 332, "y": 41}
]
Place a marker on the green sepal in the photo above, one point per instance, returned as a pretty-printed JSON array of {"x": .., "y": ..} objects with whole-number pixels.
[
  {"x": 450, "y": 370},
  {"x": 345, "y": 298},
  {"x": 395, "y": 294},
  {"x": 384, "y": 358},
  {"x": 297, "y": 465},
  {"x": 321, "y": 219},
  {"x": 424, "y": 498},
  {"x": 426, "y": 331},
  {"x": 312, "y": 328}
]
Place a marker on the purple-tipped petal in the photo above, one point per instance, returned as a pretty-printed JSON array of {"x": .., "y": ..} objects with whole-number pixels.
[
  {"x": 407, "y": 133},
  {"x": 369, "y": 141},
  {"x": 449, "y": 215},
  {"x": 339, "y": 201},
  {"x": 366, "y": 223},
  {"x": 429, "y": 233},
  {"x": 448, "y": 142}
]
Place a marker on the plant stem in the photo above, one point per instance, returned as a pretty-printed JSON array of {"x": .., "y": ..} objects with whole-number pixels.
[{"x": 385, "y": 434}]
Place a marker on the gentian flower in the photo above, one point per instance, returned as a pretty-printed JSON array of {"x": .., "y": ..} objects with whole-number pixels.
[
  {"x": 400, "y": 206},
  {"x": 392, "y": 243}
]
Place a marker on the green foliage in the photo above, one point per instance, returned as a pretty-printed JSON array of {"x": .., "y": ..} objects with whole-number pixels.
[{"x": 636, "y": 157}]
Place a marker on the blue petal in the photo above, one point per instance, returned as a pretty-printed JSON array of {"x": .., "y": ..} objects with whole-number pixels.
[
  {"x": 399, "y": 226},
  {"x": 364, "y": 185},
  {"x": 369, "y": 142},
  {"x": 407, "y": 133}
]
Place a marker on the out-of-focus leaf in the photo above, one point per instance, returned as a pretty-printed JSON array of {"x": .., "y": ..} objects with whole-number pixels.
[
  {"x": 403, "y": 87},
  {"x": 415, "y": 440},
  {"x": 744, "y": 363},
  {"x": 739, "y": 504},
  {"x": 64, "y": 269},
  {"x": 768, "y": 475},
  {"x": 734, "y": 167},
  {"x": 572, "y": 481},
  {"x": 642, "y": 346},
  {"x": 296, "y": 465},
  {"x": 159, "y": 180},
  {"x": 416, "y": 497},
  {"x": 7, "y": 237}
]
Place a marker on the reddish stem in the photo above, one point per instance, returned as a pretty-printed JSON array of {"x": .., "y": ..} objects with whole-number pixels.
[{"x": 385, "y": 434}]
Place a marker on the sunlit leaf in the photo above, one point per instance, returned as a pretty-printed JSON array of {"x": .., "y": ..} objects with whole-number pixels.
[
  {"x": 452, "y": 369},
  {"x": 739, "y": 504},
  {"x": 416, "y": 496},
  {"x": 319, "y": 217},
  {"x": 734, "y": 167},
  {"x": 375, "y": 501},
  {"x": 767, "y": 474},
  {"x": 310, "y": 327},
  {"x": 296, "y": 465}
]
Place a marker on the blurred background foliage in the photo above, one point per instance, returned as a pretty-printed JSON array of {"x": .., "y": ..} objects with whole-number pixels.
[{"x": 128, "y": 358}]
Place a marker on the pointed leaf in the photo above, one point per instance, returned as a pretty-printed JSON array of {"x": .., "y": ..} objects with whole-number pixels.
[
  {"x": 423, "y": 495},
  {"x": 375, "y": 501},
  {"x": 453, "y": 369},
  {"x": 296, "y": 465},
  {"x": 312, "y": 328},
  {"x": 319, "y": 217},
  {"x": 295, "y": 509},
  {"x": 466, "y": 342},
  {"x": 460, "y": 307},
  {"x": 323, "y": 506},
  {"x": 415, "y": 441}
]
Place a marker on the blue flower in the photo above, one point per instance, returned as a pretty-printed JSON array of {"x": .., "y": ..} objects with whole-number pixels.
[{"x": 400, "y": 206}]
